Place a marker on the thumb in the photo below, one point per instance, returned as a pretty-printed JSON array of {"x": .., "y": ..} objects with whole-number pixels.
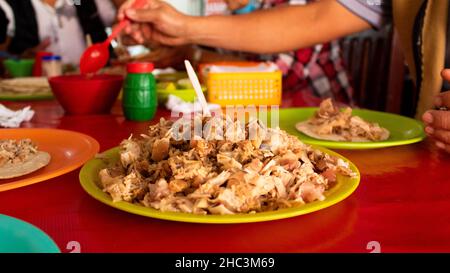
[
  {"x": 148, "y": 15},
  {"x": 129, "y": 5},
  {"x": 123, "y": 8}
]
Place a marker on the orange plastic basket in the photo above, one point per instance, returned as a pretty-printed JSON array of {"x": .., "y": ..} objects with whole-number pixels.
[{"x": 244, "y": 88}]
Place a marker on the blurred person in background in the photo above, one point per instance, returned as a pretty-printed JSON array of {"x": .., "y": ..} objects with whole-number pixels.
[
  {"x": 309, "y": 74},
  {"x": 56, "y": 26}
]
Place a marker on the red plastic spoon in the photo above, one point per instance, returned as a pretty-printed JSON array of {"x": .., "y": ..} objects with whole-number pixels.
[{"x": 96, "y": 56}]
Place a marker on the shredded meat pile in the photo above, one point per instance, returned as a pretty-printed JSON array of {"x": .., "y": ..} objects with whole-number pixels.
[
  {"x": 330, "y": 120},
  {"x": 211, "y": 174},
  {"x": 16, "y": 151}
]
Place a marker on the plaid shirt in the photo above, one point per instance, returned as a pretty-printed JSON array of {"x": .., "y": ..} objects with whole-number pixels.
[{"x": 312, "y": 73}]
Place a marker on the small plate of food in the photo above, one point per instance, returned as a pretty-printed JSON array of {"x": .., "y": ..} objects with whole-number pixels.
[
  {"x": 216, "y": 177},
  {"x": 30, "y": 88},
  {"x": 29, "y": 156},
  {"x": 348, "y": 128},
  {"x": 20, "y": 157}
]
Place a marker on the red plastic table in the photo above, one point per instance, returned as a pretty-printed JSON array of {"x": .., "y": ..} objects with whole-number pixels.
[{"x": 401, "y": 205}]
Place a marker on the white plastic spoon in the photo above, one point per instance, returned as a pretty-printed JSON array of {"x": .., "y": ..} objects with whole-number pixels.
[{"x": 197, "y": 87}]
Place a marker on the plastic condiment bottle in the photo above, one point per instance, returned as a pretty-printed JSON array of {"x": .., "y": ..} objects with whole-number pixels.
[
  {"x": 52, "y": 66},
  {"x": 139, "y": 94}
]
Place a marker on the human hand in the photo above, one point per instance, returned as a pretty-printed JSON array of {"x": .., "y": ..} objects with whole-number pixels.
[
  {"x": 438, "y": 121},
  {"x": 127, "y": 4}
]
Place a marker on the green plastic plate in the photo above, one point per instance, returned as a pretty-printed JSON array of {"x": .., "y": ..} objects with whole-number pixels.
[{"x": 403, "y": 130}]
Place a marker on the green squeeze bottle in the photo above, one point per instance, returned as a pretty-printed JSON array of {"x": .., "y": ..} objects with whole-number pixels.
[{"x": 139, "y": 95}]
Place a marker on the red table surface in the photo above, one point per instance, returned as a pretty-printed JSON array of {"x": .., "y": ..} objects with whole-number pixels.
[{"x": 403, "y": 203}]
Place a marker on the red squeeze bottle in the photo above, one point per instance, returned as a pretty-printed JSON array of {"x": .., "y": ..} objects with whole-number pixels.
[{"x": 37, "y": 67}]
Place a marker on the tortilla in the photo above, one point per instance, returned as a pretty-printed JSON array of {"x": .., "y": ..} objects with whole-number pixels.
[
  {"x": 25, "y": 86},
  {"x": 308, "y": 129},
  {"x": 32, "y": 164}
]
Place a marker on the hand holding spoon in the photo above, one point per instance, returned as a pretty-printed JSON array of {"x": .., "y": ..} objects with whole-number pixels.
[{"x": 96, "y": 56}]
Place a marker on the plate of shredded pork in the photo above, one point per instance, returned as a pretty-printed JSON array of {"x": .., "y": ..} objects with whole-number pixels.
[
  {"x": 346, "y": 128},
  {"x": 230, "y": 172},
  {"x": 330, "y": 123}
]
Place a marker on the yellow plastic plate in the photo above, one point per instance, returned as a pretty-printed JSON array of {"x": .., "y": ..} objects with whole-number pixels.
[{"x": 89, "y": 181}]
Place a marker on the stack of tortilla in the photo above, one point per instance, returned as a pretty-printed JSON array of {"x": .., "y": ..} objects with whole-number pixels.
[{"x": 25, "y": 86}]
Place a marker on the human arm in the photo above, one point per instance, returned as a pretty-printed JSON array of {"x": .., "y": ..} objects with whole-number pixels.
[{"x": 275, "y": 30}]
